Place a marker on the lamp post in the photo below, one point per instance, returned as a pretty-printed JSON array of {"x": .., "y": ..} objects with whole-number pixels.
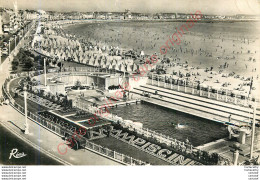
[
  {"x": 208, "y": 92},
  {"x": 9, "y": 46},
  {"x": 14, "y": 41},
  {"x": 178, "y": 87},
  {"x": 164, "y": 85},
  {"x": 171, "y": 82},
  {"x": 253, "y": 132},
  {"x": 0, "y": 60},
  {"x": 26, "y": 129},
  {"x": 192, "y": 88},
  {"x": 45, "y": 78},
  {"x": 152, "y": 78},
  {"x": 184, "y": 85},
  {"x": 226, "y": 95}
]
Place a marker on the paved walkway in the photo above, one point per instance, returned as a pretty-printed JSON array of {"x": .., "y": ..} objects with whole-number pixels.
[
  {"x": 48, "y": 142},
  {"x": 5, "y": 69}
]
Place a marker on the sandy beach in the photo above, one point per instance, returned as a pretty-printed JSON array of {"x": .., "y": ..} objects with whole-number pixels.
[{"x": 205, "y": 45}]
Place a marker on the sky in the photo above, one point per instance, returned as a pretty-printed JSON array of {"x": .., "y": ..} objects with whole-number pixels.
[{"x": 220, "y": 7}]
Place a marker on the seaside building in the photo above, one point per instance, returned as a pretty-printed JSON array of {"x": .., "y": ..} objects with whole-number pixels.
[
  {"x": 31, "y": 14},
  {"x": 114, "y": 15},
  {"x": 143, "y": 17},
  {"x": 88, "y": 16},
  {"x": 181, "y": 16},
  {"x": 168, "y": 15},
  {"x": 127, "y": 14},
  {"x": 248, "y": 17},
  {"x": 157, "y": 16}
]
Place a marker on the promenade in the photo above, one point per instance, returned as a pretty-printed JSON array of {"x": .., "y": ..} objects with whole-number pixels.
[
  {"x": 39, "y": 137},
  {"x": 47, "y": 142}
]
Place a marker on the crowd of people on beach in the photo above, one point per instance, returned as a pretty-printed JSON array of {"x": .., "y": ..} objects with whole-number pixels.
[{"x": 218, "y": 66}]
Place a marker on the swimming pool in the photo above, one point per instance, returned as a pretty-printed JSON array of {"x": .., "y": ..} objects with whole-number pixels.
[{"x": 198, "y": 130}]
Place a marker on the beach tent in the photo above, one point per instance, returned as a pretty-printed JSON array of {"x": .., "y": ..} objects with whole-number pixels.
[
  {"x": 107, "y": 63},
  {"x": 128, "y": 68},
  {"x": 102, "y": 63},
  {"x": 104, "y": 66},
  {"x": 134, "y": 67},
  {"x": 96, "y": 63},
  {"x": 110, "y": 66},
  {"x": 116, "y": 67},
  {"x": 92, "y": 59},
  {"x": 122, "y": 67},
  {"x": 91, "y": 62},
  {"x": 114, "y": 62},
  {"x": 110, "y": 58},
  {"x": 76, "y": 59}
]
